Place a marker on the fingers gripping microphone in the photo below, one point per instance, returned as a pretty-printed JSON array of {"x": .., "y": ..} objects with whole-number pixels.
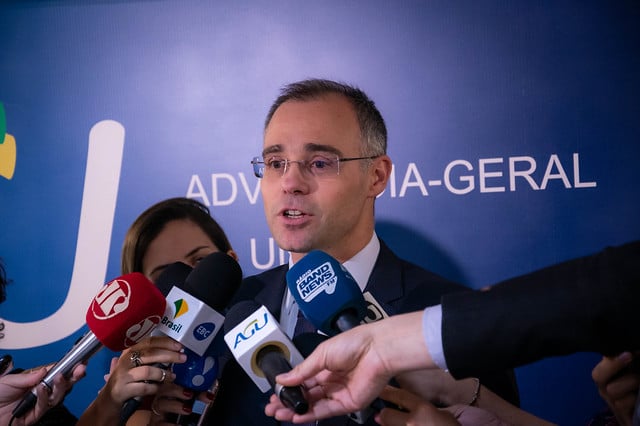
[
  {"x": 123, "y": 312},
  {"x": 330, "y": 298},
  {"x": 264, "y": 351},
  {"x": 172, "y": 276}
]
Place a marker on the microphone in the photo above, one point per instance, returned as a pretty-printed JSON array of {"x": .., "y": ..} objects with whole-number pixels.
[
  {"x": 173, "y": 275},
  {"x": 308, "y": 342},
  {"x": 192, "y": 316},
  {"x": 212, "y": 283},
  {"x": 326, "y": 293},
  {"x": 264, "y": 351},
  {"x": 330, "y": 298},
  {"x": 123, "y": 312}
]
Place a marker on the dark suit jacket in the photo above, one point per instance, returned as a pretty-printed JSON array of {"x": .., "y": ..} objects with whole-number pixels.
[
  {"x": 586, "y": 304},
  {"x": 397, "y": 285}
]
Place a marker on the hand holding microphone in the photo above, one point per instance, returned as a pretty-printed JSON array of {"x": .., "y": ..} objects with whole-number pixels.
[
  {"x": 123, "y": 312},
  {"x": 332, "y": 301},
  {"x": 194, "y": 319},
  {"x": 14, "y": 386},
  {"x": 174, "y": 275}
]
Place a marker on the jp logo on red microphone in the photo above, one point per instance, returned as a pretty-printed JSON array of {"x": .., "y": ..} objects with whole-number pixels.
[
  {"x": 138, "y": 331},
  {"x": 113, "y": 299}
]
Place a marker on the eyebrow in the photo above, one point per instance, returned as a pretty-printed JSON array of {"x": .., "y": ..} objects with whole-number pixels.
[{"x": 308, "y": 147}]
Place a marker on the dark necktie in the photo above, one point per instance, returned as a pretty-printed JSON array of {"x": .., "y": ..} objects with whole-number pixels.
[{"x": 302, "y": 326}]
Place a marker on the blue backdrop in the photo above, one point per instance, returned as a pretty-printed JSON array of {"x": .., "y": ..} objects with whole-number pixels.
[{"x": 513, "y": 127}]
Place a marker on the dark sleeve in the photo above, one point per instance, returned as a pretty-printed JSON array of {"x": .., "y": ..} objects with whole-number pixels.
[
  {"x": 428, "y": 289},
  {"x": 585, "y": 304}
]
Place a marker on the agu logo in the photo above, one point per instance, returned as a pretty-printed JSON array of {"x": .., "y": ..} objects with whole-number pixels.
[
  {"x": 7, "y": 148},
  {"x": 111, "y": 300},
  {"x": 252, "y": 328}
]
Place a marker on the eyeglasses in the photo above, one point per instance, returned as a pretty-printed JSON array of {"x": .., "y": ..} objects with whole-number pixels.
[{"x": 317, "y": 166}]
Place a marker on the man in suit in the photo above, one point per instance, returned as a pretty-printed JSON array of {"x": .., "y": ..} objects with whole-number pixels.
[
  {"x": 322, "y": 166},
  {"x": 585, "y": 304}
]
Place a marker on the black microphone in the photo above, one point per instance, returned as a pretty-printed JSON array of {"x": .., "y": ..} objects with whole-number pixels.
[
  {"x": 264, "y": 351},
  {"x": 308, "y": 342},
  {"x": 213, "y": 282},
  {"x": 173, "y": 275}
]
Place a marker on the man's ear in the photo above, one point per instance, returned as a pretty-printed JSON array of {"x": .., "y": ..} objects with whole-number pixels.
[{"x": 380, "y": 172}]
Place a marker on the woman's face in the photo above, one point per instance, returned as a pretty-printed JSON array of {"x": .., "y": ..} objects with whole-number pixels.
[{"x": 179, "y": 241}]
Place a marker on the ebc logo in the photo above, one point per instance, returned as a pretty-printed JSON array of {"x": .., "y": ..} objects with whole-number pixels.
[
  {"x": 252, "y": 328},
  {"x": 314, "y": 281},
  {"x": 138, "y": 331},
  {"x": 112, "y": 299},
  {"x": 204, "y": 330}
]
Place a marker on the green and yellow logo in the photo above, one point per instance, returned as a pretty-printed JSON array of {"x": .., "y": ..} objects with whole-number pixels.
[
  {"x": 7, "y": 148},
  {"x": 181, "y": 307}
]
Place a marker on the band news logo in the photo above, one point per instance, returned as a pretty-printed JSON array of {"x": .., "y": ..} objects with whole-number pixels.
[{"x": 314, "y": 281}]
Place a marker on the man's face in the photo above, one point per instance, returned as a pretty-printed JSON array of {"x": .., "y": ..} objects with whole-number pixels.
[{"x": 307, "y": 212}]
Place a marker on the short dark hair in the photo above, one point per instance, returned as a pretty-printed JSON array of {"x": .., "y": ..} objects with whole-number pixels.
[
  {"x": 153, "y": 220},
  {"x": 372, "y": 127}
]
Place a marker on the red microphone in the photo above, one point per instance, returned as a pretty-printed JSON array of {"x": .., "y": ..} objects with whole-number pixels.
[{"x": 123, "y": 312}]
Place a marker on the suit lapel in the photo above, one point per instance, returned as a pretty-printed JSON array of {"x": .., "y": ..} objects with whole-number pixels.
[
  {"x": 386, "y": 281},
  {"x": 272, "y": 294}
]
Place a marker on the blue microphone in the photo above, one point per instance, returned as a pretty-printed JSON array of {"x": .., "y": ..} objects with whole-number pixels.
[
  {"x": 326, "y": 293},
  {"x": 330, "y": 298},
  {"x": 198, "y": 373}
]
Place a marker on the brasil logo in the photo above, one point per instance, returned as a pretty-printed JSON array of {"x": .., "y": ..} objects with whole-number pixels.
[
  {"x": 181, "y": 307},
  {"x": 7, "y": 148}
]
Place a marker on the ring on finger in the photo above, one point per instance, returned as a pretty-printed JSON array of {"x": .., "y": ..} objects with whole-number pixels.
[
  {"x": 164, "y": 375},
  {"x": 135, "y": 359},
  {"x": 153, "y": 407}
]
